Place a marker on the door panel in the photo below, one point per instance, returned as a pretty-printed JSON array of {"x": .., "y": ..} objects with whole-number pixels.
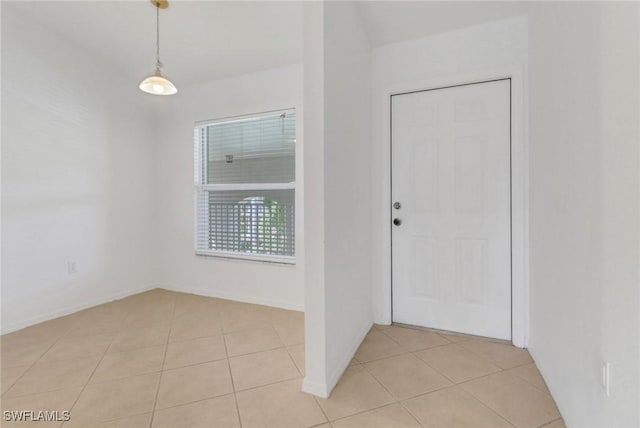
[{"x": 451, "y": 173}]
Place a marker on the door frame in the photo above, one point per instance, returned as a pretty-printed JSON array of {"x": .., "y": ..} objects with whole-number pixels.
[{"x": 519, "y": 186}]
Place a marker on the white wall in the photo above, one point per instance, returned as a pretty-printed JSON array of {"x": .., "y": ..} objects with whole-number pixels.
[
  {"x": 584, "y": 207},
  {"x": 347, "y": 185},
  {"x": 337, "y": 91},
  {"x": 76, "y": 174},
  {"x": 177, "y": 267},
  {"x": 485, "y": 51},
  {"x": 315, "y": 381}
]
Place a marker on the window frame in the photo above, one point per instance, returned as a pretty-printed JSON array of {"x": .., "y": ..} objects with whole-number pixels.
[{"x": 200, "y": 185}]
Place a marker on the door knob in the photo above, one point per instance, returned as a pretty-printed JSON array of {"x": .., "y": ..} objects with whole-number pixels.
[{"x": 397, "y": 221}]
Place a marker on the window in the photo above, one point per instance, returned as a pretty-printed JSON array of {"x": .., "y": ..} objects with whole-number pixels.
[{"x": 245, "y": 187}]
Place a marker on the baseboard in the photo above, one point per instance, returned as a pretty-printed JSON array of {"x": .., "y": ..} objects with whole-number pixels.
[
  {"x": 283, "y": 304},
  {"x": 324, "y": 390},
  {"x": 18, "y": 325},
  {"x": 315, "y": 388},
  {"x": 334, "y": 378}
]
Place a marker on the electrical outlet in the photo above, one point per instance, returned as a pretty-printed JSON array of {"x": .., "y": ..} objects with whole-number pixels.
[
  {"x": 71, "y": 267},
  {"x": 606, "y": 377}
]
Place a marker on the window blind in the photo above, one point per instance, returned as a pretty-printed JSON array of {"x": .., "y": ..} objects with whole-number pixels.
[{"x": 245, "y": 186}]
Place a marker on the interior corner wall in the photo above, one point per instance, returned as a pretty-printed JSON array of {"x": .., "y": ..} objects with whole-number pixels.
[
  {"x": 460, "y": 56},
  {"x": 76, "y": 174},
  {"x": 347, "y": 185},
  {"x": 584, "y": 164},
  {"x": 177, "y": 266}
]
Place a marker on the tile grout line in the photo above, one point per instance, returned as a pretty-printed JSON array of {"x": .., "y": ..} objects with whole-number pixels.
[
  {"x": 437, "y": 371},
  {"x": 550, "y": 422},
  {"x": 463, "y": 336},
  {"x": 124, "y": 417},
  {"x": 434, "y": 369},
  {"x": 404, "y": 352},
  {"x": 453, "y": 385},
  {"x": 491, "y": 409},
  {"x": 412, "y": 329},
  {"x": 38, "y": 360},
  {"x": 319, "y": 425},
  {"x": 482, "y": 357},
  {"x": 494, "y": 362},
  {"x": 249, "y": 328},
  {"x": 415, "y": 418},
  {"x": 174, "y": 406},
  {"x": 93, "y": 372},
  {"x": 30, "y": 366},
  {"x": 447, "y": 343},
  {"x": 500, "y": 369},
  {"x": 65, "y": 336},
  {"x": 233, "y": 385},
  {"x": 494, "y": 410},
  {"x": 391, "y": 338},
  {"x": 268, "y": 384},
  {"x": 397, "y": 401},
  {"x": 153, "y": 371},
  {"x": 96, "y": 367},
  {"x": 195, "y": 338},
  {"x": 362, "y": 412},
  {"x": 490, "y": 360},
  {"x": 478, "y": 399},
  {"x": 317, "y": 401},
  {"x": 364, "y": 367},
  {"x": 294, "y": 361},
  {"x": 164, "y": 358},
  {"x": 545, "y": 391},
  {"x": 401, "y": 402},
  {"x": 256, "y": 352},
  {"x": 494, "y": 373}
]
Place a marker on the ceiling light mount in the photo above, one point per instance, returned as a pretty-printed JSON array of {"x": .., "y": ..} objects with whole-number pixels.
[
  {"x": 157, "y": 84},
  {"x": 160, "y": 4}
]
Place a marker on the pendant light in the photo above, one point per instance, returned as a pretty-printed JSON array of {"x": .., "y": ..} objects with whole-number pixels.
[{"x": 157, "y": 84}]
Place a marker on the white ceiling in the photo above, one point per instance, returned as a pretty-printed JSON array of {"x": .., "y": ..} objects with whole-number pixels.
[
  {"x": 393, "y": 21},
  {"x": 208, "y": 40},
  {"x": 199, "y": 40}
]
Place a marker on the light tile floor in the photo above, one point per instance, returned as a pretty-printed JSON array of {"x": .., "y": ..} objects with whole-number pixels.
[{"x": 165, "y": 359}]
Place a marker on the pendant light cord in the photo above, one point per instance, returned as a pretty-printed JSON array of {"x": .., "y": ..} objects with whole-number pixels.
[{"x": 158, "y": 63}]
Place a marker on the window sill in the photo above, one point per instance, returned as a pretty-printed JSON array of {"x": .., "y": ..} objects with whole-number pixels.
[{"x": 281, "y": 260}]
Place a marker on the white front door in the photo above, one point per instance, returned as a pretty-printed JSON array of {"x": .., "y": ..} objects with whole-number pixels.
[{"x": 451, "y": 185}]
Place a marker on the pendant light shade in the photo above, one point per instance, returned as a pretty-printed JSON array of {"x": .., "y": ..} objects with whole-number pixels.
[{"x": 157, "y": 84}]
